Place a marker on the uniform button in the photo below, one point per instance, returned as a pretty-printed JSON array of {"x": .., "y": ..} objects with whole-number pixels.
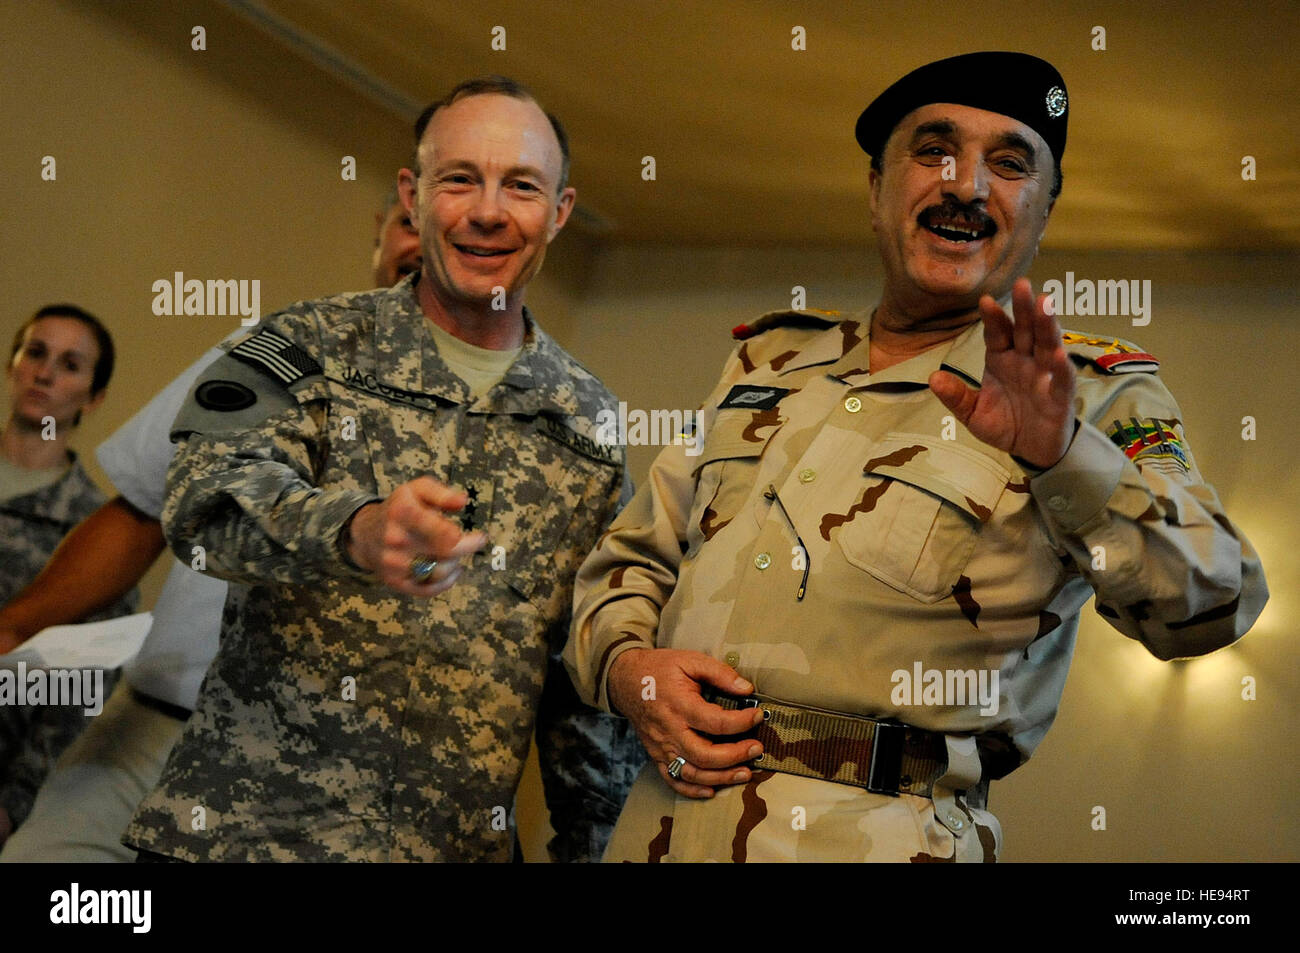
[
  {"x": 1058, "y": 503},
  {"x": 733, "y": 659},
  {"x": 762, "y": 560},
  {"x": 808, "y": 475},
  {"x": 956, "y": 822},
  {"x": 853, "y": 405}
]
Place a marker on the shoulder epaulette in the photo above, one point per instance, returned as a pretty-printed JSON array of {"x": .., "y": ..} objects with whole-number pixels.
[
  {"x": 810, "y": 318},
  {"x": 276, "y": 356},
  {"x": 1109, "y": 355}
]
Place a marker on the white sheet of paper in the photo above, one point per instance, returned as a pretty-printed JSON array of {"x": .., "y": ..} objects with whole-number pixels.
[{"x": 105, "y": 644}]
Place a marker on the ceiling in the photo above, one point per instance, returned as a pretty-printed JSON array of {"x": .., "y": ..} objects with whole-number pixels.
[{"x": 753, "y": 141}]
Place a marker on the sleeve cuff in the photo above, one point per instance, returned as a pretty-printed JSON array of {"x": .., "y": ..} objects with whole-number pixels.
[
  {"x": 610, "y": 646},
  {"x": 1078, "y": 486},
  {"x": 323, "y": 533}
]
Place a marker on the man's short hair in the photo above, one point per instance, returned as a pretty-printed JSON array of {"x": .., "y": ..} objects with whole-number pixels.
[
  {"x": 503, "y": 86},
  {"x": 1057, "y": 179},
  {"x": 103, "y": 364}
]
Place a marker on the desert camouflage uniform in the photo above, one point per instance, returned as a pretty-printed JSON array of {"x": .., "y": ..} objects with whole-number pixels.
[
  {"x": 341, "y": 719},
  {"x": 33, "y": 736},
  {"x": 920, "y": 549}
]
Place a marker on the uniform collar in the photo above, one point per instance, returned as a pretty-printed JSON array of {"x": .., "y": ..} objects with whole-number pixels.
[
  {"x": 963, "y": 356},
  {"x": 539, "y": 381},
  {"x": 406, "y": 357},
  {"x": 828, "y": 346}
]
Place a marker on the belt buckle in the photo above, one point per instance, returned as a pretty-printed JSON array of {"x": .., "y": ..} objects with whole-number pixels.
[
  {"x": 886, "y": 758},
  {"x": 713, "y": 696},
  {"x": 742, "y": 702}
]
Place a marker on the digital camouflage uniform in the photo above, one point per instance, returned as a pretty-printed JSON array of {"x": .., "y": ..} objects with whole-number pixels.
[
  {"x": 342, "y": 720},
  {"x": 31, "y": 527},
  {"x": 919, "y": 549}
]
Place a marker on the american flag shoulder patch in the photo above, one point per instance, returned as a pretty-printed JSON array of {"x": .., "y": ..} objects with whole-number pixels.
[{"x": 276, "y": 356}]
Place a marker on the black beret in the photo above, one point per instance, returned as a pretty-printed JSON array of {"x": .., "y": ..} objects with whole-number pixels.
[{"x": 1014, "y": 84}]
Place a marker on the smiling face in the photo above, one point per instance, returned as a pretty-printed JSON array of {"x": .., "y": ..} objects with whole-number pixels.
[
  {"x": 52, "y": 372},
  {"x": 959, "y": 206},
  {"x": 486, "y": 201}
]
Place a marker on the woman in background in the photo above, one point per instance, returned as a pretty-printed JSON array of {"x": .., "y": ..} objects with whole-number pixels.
[{"x": 59, "y": 367}]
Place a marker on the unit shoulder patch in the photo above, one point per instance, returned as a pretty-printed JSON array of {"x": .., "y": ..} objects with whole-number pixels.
[
  {"x": 224, "y": 396},
  {"x": 230, "y": 395},
  {"x": 1151, "y": 440}
]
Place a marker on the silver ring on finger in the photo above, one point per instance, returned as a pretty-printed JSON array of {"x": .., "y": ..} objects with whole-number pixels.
[
  {"x": 675, "y": 768},
  {"x": 422, "y": 568}
]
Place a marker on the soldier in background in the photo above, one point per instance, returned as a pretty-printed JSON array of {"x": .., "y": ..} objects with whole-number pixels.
[
  {"x": 59, "y": 367},
  {"x": 378, "y": 679},
  {"x": 890, "y": 495},
  {"x": 397, "y": 243},
  {"x": 86, "y": 801}
]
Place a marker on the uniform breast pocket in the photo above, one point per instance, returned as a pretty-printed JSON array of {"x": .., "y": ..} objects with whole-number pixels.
[
  {"x": 546, "y": 518},
  {"x": 530, "y": 538},
  {"x": 376, "y": 445},
  {"x": 921, "y": 509},
  {"x": 727, "y": 467}
]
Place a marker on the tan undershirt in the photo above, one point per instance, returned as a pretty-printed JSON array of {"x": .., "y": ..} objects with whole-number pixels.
[
  {"x": 479, "y": 367},
  {"x": 16, "y": 481}
]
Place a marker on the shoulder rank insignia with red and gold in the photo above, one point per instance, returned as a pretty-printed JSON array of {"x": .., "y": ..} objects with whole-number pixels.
[
  {"x": 1109, "y": 354},
  {"x": 809, "y": 318}
]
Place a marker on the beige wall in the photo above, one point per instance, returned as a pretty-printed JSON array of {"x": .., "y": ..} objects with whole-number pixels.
[
  {"x": 170, "y": 160},
  {"x": 225, "y": 163}
]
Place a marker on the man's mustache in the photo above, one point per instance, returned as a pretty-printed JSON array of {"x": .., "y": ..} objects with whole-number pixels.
[{"x": 960, "y": 214}]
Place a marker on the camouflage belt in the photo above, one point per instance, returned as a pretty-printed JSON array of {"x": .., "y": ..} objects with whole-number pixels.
[{"x": 885, "y": 757}]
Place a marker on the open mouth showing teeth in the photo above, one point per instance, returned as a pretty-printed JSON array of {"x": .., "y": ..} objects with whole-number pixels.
[
  {"x": 483, "y": 252},
  {"x": 957, "y": 229}
]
